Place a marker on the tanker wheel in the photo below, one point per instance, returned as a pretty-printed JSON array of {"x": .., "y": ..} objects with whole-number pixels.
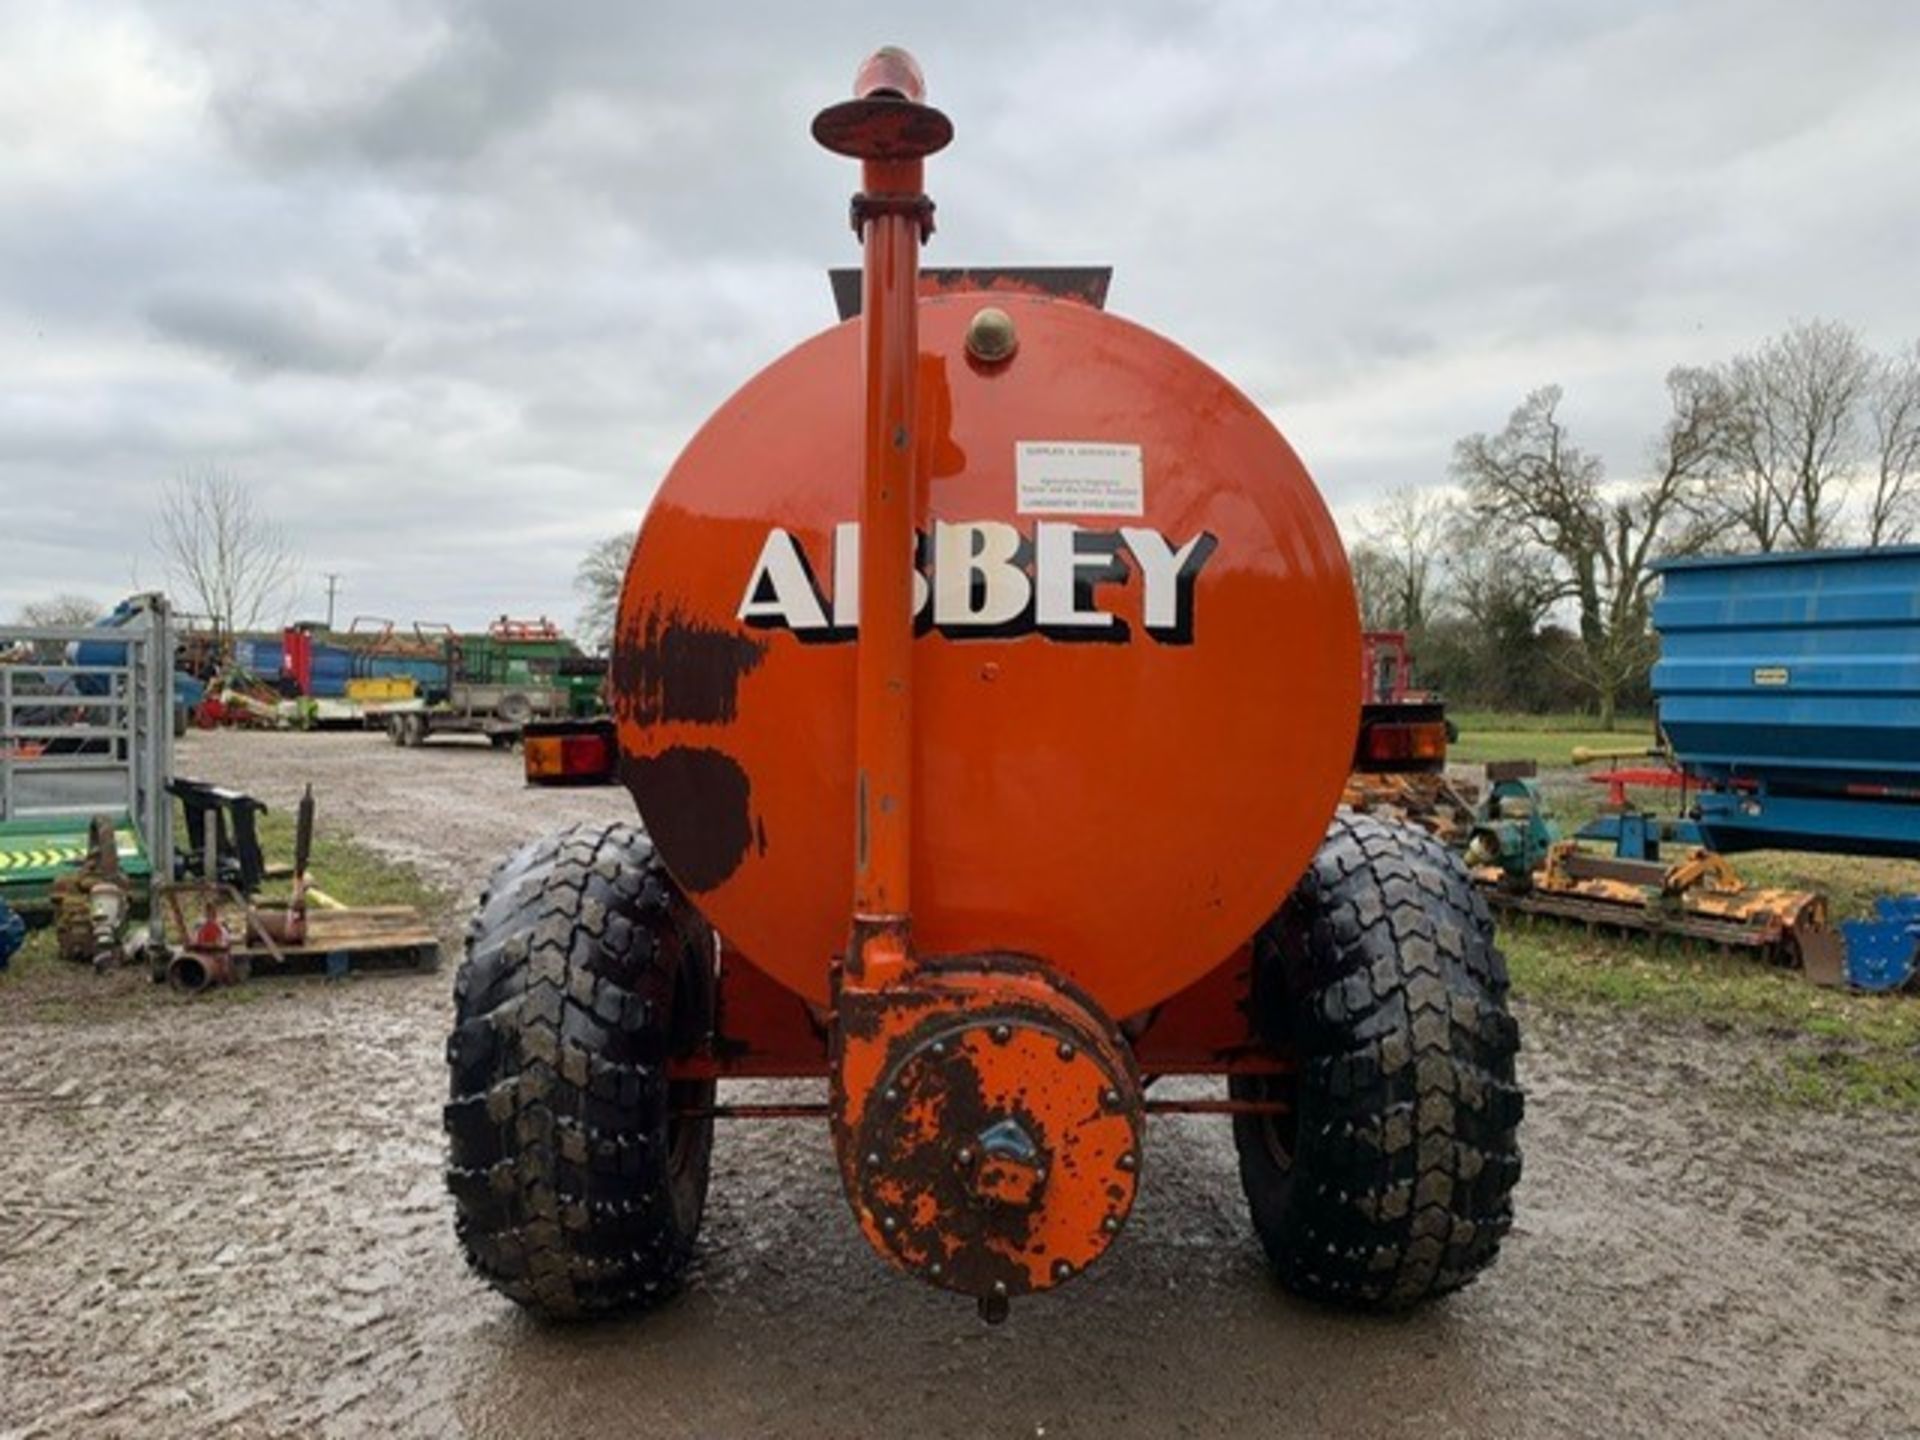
[
  {"x": 1390, "y": 1179},
  {"x": 576, "y": 1190}
]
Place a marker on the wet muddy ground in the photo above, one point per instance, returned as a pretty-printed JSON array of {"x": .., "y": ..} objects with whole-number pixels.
[{"x": 227, "y": 1219}]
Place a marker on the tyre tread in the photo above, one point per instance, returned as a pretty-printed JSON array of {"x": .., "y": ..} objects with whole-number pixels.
[
  {"x": 558, "y": 1106},
  {"x": 1382, "y": 974}
]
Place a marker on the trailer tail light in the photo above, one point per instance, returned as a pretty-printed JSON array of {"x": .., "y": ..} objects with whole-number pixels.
[
  {"x": 1403, "y": 743},
  {"x": 586, "y": 755}
]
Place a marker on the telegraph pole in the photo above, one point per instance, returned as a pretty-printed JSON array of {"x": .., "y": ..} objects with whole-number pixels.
[{"x": 333, "y": 583}]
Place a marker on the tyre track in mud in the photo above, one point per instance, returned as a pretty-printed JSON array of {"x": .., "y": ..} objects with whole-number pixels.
[{"x": 227, "y": 1219}]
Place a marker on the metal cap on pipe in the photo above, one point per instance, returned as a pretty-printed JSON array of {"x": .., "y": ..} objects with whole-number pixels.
[{"x": 888, "y": 118}]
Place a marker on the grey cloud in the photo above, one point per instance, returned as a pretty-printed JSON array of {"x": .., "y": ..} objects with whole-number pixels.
[
  {"x": 262, "y": 333},
  {"x": 451, "y": 281}
]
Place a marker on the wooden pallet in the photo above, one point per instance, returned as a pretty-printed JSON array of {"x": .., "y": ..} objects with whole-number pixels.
[{"x": 366, "y": 937}]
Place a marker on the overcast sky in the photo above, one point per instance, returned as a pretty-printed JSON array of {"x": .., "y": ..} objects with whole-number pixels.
[{"x": 449, "y": 284}]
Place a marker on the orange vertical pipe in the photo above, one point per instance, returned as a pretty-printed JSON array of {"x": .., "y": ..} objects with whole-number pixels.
[
  {"x": 889, "y": 128},
  {"x": 883, "y": 682}
]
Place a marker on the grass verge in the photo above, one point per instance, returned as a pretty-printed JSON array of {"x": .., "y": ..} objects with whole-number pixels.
[
  {"x": 1549, "y": 740},
  {"x": 1832, "y": 1050},
  {"x": 39, "y": 985}
]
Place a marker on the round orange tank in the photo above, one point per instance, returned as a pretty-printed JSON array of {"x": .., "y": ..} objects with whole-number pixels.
[{"x": 1135, "y": 689}]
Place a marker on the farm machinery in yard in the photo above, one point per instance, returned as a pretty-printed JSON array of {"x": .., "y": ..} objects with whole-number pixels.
[
  {"x": 1519, "y": 858},
  {"x": 986, "y": 676},
  {"x": 1400, "y": 760},
  {"x": 1788, "y": 688}
]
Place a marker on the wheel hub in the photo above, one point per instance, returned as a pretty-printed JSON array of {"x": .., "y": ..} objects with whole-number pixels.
[{"x": 989, "y": 1125}]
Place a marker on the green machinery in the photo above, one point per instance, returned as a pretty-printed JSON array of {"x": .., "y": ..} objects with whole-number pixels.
[{"x": 1513, "y": 831}]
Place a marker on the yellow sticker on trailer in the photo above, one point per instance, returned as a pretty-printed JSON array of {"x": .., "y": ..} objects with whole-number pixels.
[{"x": 1771, "y": 675}]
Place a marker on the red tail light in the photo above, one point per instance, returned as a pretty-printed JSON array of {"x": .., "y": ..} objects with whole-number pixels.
[
  {"x": 1404, "y": 743},
  {"x": 568, "y": 757}
]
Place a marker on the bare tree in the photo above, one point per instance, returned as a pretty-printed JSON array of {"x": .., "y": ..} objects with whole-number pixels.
[
  {"x": 1373, "y": 584},
  {"x": 1504, "y": 591},
  {"x": 1406, "y": 530},
  {"x": 1894, "y": 506},
  {"x": 598, "y": 580},
  {"x": 1530, "y": 482},
  {"x": 1792, "y": 435},
  {"x": 62, "y": 609},
  {"x": 234, "y": 562},
  {"x": 1603, "y": 540}
]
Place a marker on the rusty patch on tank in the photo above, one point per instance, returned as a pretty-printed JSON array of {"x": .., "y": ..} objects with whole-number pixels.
[
  {"x": 697, "y": 805},
  {"x": 668, "y": 667}
]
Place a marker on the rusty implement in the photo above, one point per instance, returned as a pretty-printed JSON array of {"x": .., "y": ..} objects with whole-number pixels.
[
  {"x": 1700, "y": 897},
  {"x": 1427, "y": 800},
  {"x": 92, "y": 904},
  {"x": 209, "y": 933}
]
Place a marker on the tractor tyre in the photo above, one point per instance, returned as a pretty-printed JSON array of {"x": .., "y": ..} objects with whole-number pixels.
[
  {"x": 578, "y": 1187},
  {"x": 1390, "y": 1179}
]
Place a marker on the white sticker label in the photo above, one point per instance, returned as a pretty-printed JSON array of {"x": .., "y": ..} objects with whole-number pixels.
[{"x": 1074, "y": 477}]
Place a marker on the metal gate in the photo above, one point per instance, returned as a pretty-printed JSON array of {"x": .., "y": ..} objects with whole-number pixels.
[{"x": 86, "y": 726}]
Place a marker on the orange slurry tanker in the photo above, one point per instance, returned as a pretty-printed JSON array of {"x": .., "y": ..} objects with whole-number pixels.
[{"x": 987, "y": 673}]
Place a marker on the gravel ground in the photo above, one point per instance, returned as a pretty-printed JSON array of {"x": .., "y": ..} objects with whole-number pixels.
[{"x": 227, "y": 1219}]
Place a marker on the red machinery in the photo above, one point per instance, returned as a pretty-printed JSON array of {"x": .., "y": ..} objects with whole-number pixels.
[
  {"x": 1386, "y": 667},
  {"x": 986, "y": 676}
]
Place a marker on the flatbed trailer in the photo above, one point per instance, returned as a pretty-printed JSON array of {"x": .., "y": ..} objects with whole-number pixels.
[{"x": 499, "y": 712}]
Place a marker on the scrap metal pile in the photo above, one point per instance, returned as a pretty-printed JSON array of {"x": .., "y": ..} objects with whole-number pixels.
[{"x": 211, "y": 925}]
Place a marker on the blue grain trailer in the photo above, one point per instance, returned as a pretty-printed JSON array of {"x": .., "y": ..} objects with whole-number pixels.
[{"x": 1791, "y": 685}]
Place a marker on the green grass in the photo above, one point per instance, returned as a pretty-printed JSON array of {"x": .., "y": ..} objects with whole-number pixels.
[
  {"x": 1556, "y": 723},
  {"x": 39, "y": 985},
  {"x": 347, "y": 870},
  {"x": 1548, "y": 740},
  {"x": 1830, "y": 1049}
]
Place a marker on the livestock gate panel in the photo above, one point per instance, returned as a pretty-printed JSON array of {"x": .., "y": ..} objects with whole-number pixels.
[{"x": 86, "y": 728}]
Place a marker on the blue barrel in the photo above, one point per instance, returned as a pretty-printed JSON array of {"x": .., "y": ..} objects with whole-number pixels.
[
  {"x": 329, "y": 669},
  {"x": 259, "y": 657},
  {"x": 1793, "y": 683}
]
